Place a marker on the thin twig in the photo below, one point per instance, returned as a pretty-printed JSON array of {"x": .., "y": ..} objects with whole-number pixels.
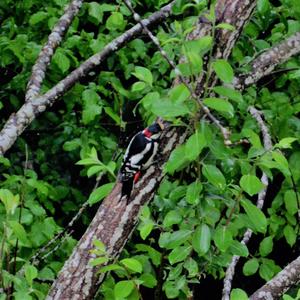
[
  {"x": 57, "y": 245},
  {"x": 225, "y": 132},
  {"x": 260, "y": 202}
]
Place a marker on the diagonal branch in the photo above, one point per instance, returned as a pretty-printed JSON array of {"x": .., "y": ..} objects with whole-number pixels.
[
  {"x": 114, "y": 221},
  {"x": 283, "y": 281},
  {"x": 54, "y": 39},
  {"x": 260, "y": 202},
  {"x": 18, "y": 121},
  {"x": 266, "y": 62}
]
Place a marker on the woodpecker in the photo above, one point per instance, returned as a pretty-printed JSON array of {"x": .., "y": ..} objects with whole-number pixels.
[{"x": 139, "y": 156}]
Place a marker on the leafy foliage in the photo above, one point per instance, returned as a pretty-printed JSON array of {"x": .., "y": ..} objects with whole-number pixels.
[{"x": 207, "y": 198}]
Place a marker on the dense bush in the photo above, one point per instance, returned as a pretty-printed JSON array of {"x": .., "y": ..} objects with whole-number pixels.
[{"x": 206, "y": 201}]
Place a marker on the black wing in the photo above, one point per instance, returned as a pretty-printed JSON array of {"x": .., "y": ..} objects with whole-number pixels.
[{"x": 136, "y": 145}]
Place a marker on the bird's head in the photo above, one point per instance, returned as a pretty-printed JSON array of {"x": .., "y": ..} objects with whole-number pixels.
[{"x": 154, "y": 131}]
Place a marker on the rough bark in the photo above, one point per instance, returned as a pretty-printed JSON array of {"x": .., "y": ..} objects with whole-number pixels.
[
  {"x": 54, "y": 39},
  {"x": 18, "y": 121},
  {"x": 277, "y": 286},
  {"x": 114, "y": 221},
  {"x": 260, "y": 202},
  {"x": 266, "y": 62},
  {"x": 235, "y": 13}
]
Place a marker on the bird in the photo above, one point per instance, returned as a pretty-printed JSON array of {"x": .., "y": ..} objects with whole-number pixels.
[{"x": 139, "y": 156}]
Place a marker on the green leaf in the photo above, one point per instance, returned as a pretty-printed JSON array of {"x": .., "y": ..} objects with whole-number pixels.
[
  {"x": 179, "y": 254},
  {"x": 255, "y": 214},
  {"x": 95, "y": 170},
  {"x": 193, "y": 192},
  {"x": 201, "y": 239},
  {"x": 145, "y": 229},
  {"x": 229, "y": 93},
  {"x": 138, "y": 86},
  {"x": 226, "y": 26},
  {"x": 266, "y": 246},
  {"x": 149, "y": 99},
  {"x": 222, "y": 238},
  {"x": 220, "y": 105},
  {"x": 143, "y": 74},
  {"x": 291, "y": 202},
  {"x": 266, "y": 271},
  {"x": 192, "y": 267},
  {"x": 194, "y": 145},
  {"x": 179, "y": 93},
  {"x": 238, "y": 294},
  {"x": 263, "y": 6},
  {"x": 115, "y": 22},
  {"x": 251, "y": 184},
  {"x": 214, "y": 176},
  {"x": 171, "y": 290},
  {"x": 72, "y": 145},
  {"x": 282, "y": 162},
  {"x": 172, "y": 240},
  {"x": 109, "y": 111},
  {"x": 61, "y": 60},
  {"x": 38, "y": 17},
  {"x": 176, "y": 160},
  {"x": 123, "y": 289},
  {"x": 95, "y": 11},
  {"x": 154, "y": 255},
  {"x": 195, "y": 62},
  {"x": 91, "y": 105},
  {"x": 99, "y": 261},
  {"x": 286, "y": 143},
  {"x": 200, "y": 46},
  {"x": 112, "y": 267},
  {"x": 100, "y": 246},
  {"x": 148, "y": 280},
  {"x": 100, "y": 193},
  {"x": 250, "y": 267},
  {"x": 20, "y": 232},
  {"x": 10, "y": 201},
  {"x": 30, "y": 273},
  {"x": 46, "y": 274},
  {"x": 171, "y": 218},
  {"x": 167, "y": 109},
  {"x": 132, "y": 264},
  {"x": 290, "y": 235},
  {"x": 237, "y": 248},
  {"x": 223, "y": 70}
]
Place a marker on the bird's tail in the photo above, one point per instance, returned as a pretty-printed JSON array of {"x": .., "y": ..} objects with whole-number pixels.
[{"x": 127, "y": 185}]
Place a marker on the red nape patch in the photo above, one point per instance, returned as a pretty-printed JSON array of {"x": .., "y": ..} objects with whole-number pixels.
[
  {"x": 147, "y": 133},
  {"x": 136, "y": 177}
]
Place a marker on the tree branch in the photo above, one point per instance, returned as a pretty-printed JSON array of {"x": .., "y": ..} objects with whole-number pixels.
[
  {"x": 260, "y": 202},
  {"x": 277, "y": 286},
  {"x": 266, "y": 62},
  {"x": 114, "y": 221},
  {"x": 17, "y": 122},
  {"x": 54, "y": 39},
  {"x": 113, "y": 224}
]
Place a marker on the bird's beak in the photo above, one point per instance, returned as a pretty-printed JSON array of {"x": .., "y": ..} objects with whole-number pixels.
[{"x": 161, "y": 124}]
